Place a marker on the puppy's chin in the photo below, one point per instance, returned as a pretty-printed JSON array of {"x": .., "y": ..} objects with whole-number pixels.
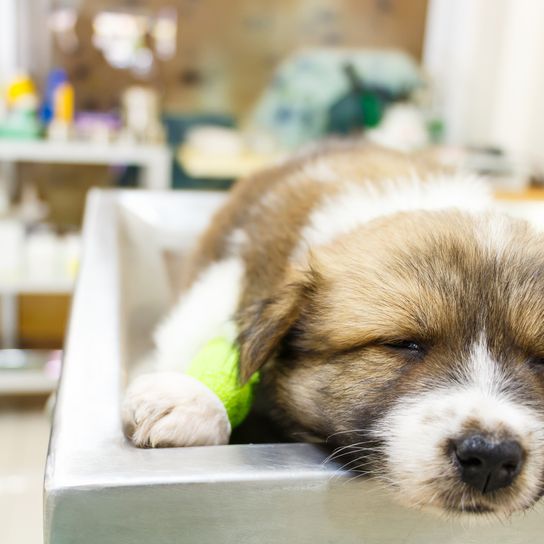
[{"x": 448, "y": 497}]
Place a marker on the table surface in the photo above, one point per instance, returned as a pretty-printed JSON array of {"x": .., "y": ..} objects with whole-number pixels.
[{"x": 85, "y": 152}]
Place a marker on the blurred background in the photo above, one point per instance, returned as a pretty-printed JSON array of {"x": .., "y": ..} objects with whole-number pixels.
[{"x": 191, "y": 94}]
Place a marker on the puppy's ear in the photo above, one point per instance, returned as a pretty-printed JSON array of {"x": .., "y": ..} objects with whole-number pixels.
[{"x": 265, "y": 323}]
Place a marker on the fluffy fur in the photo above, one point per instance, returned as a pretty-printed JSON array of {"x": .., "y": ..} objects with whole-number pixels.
[
  {"x": 168, "y": 409},
  {"x": 388, "y": 312},
  {"x": 358, "y": 204},
  {"x": 202, "y": 313}
]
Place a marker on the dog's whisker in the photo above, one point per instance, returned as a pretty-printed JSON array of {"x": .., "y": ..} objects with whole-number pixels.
[
  {"x": 337, "y": 451},
  {"x": 361, "y": 443},
  {"x": 335, "y": 457},
  {"x": 359, "y": 447}
]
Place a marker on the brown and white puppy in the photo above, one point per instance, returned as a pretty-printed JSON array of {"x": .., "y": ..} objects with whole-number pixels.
[{"x": 388, "y": 312}]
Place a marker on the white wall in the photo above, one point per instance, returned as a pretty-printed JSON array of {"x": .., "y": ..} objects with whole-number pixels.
[
  {"x": 25, "y": 41},
  {"x": 487, "y": 58},
  {"x": 8, "y": 39}
]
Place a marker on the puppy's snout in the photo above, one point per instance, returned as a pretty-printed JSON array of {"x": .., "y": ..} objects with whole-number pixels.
[{"x": 487, "y": 465}]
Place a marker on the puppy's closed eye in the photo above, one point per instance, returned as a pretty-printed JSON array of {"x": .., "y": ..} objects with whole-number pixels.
[{"x": 407, "y": 348}]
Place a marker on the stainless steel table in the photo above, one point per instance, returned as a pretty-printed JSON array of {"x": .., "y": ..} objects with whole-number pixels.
[{"x": 101, "y": 490}]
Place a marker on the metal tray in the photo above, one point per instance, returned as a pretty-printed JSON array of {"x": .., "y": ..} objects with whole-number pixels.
[{"x": 100, "y": 489}]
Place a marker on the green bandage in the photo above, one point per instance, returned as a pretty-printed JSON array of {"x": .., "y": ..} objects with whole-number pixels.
[{"x": 216, "y": 366}]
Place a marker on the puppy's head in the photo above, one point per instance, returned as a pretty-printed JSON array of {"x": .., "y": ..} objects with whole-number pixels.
[{"x": 415, "y": 344}]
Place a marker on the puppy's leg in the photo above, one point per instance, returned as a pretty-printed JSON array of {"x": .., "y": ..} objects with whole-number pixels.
[{"x": 169, "y": 409}]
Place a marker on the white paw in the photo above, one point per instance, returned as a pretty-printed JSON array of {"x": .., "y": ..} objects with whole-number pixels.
[{"x": 170, "y": 409}]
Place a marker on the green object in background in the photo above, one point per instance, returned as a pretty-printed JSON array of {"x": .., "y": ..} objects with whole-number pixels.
[
  {"x": 21, "y": 125},
  {"x": 346, "y": 115},
  {"x": 436, "y": 130},
  {"x": 295, "y": 108},
  {"x": 360, "y": 108},
  {"x": 372, "y": 109},
  {"x": 216, "y": 366}
]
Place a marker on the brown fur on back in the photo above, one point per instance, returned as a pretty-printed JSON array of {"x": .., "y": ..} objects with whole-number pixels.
[{"x": 271, "y": 208}]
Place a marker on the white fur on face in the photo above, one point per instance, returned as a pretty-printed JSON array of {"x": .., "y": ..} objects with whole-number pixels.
[
  {"x": 418, "y": 429},
  {"x": 202, "y": 313},
  {"x": 358, "y": 205}
]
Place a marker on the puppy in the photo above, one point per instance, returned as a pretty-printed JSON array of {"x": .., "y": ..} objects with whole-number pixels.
[{"x": 389, "y": 312}]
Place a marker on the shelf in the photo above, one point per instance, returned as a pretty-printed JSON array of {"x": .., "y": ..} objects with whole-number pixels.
[
  {"x": 154, "y": 158},
  {"x": 23, "y": 372},
  {"x": 80, "y": 152},
  {"x": 32, "y": 287},
  {"x": 26, "y": 382}
]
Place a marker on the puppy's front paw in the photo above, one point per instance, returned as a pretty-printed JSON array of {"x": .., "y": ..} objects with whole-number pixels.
[{"x": 170, "y": 409}]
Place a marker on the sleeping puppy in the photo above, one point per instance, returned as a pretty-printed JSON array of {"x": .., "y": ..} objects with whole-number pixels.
[{"x": 389, "y": 313}]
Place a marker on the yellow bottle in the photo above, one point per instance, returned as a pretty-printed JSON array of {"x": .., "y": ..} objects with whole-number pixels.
[{"x": 64, "y": 103}]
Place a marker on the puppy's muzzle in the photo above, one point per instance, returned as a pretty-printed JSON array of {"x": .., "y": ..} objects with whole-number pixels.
[{"x": 487, "y": 465}]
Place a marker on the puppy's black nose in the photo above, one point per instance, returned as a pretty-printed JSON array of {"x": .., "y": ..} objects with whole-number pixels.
[{"x": 486, "y": 465}]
